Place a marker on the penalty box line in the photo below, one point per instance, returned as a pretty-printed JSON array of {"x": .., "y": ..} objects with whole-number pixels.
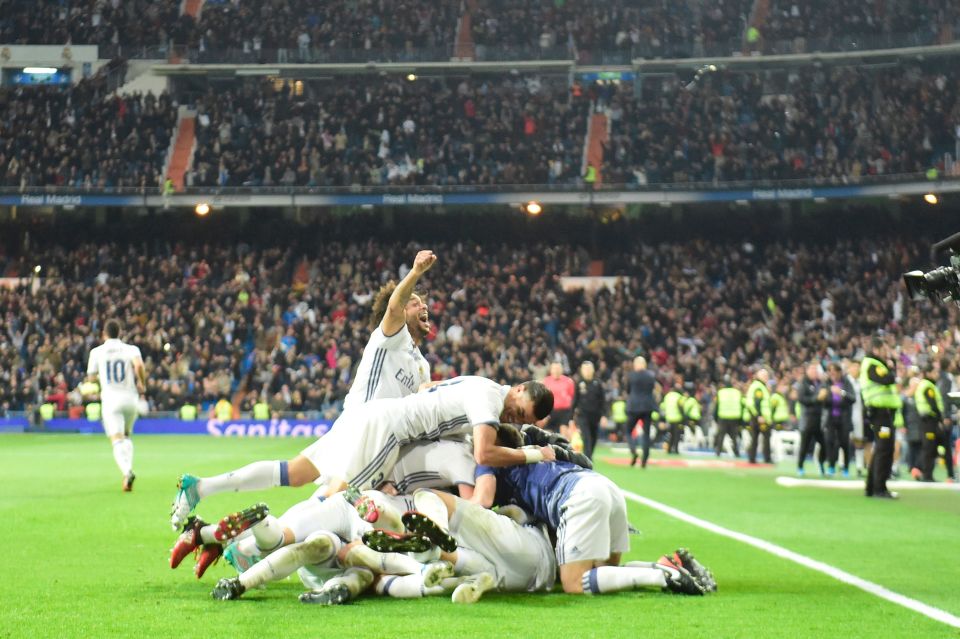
[{"x": 867, "y": 586}]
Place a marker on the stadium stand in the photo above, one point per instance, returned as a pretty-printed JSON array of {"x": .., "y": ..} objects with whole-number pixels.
[
  {"x": 806, "y": 123},
  {"x": 288, "y": 318},
  {"x": 300, "y": 31},
  {"x": 481, "y": 130},
  {"x": 824, "y": 124},
  {"x": 83, "y": 137}
]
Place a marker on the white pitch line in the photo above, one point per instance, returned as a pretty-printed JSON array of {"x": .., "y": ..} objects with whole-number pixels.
[
  {"x": 846, "y": 484},
  {"x": 868, "y": 586}
]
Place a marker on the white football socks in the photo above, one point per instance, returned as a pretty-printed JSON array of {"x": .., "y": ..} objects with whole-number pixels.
[
  {"x": 268, "y": 533},
  {"x": 206, "y": 534},
  {"x": 470, "y": 562},
  {"x": 277, "y": 565},
  {"x": 430, "y": 504},
  {"x": 389, "y": 563},
  {"x": 334, "y": 515},
  {"x": 123, "y": 455},
  {"x": 407, "y": 587},
  {"x": 255, "y": 476},
  {"x": 617, "y": 578},
  {"x": 355, "y": 578}
]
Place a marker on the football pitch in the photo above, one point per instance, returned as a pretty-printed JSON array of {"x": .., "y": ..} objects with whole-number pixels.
[{"x": 83, "y": 559}]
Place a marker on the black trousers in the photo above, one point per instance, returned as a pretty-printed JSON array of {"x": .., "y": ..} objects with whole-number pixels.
[
  {"x": 632, "y": 419},
  {"x": 729, "y": 427},
  {"x": 837, "y": 439},
  {"x": 933, "y": 436},
  {"x": 880, "y": 421},
  {"x": 913, "y": 452},
  {"x": 676, "y": 431},
  {"x": 589, "y": 425},
  {"x": 810, "y": 435},
  {"x": 759, "y": 432}
]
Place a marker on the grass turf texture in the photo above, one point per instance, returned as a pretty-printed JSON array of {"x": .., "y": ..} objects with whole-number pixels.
[{"x": 85, "y": 560}]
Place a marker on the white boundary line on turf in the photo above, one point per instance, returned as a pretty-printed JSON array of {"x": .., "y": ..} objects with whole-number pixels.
[{"x": 868, "y": 586}]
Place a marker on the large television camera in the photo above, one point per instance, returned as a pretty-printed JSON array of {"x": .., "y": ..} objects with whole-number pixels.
[{"x": 942, "y": 283}]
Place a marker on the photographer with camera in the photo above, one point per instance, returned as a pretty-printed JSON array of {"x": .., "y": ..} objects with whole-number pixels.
[{"x": 881, "y": 400}]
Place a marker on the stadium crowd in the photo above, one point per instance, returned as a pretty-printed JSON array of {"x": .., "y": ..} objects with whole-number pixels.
[
  {"x": 812, "y": 123},
  {"x": 480, "y": 130},
  {"x": 303, "y": 31},
  {"x": 131, "y": 23},
  {"x": 288, "y": 325},
  {"x": 300, "y": 31},
  {"x": 648, "y": 28},
  {"x": 83, "y": 137},
  {"x": 825, "y": 123},
  {"x": 848, "y": 21}
]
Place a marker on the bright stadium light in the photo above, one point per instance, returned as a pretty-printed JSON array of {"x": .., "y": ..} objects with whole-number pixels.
[
  {"x": 412, "y": 77},
  {"x": 533, "y": 208},
  {"x": 202, "y": 209},
  {"x": 37, "y": 269},
  {"x": 931, "y": 198}
]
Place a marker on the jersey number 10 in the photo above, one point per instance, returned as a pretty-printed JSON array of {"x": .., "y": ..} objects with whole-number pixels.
[{"x": 116, "y": 371}]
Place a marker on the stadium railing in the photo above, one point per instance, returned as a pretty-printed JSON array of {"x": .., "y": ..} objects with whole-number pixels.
[
  {"x": 605, "y": 55},
  {"x": 416, "y": 195}
]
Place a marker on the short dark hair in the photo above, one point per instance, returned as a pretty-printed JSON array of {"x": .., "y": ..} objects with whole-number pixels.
[
  {"x": 877, "y": 343},
  {"x": 509, "y": 436},
  {"x": 542, "y": 399},
  {"x": 112, "y": 329},
  {"x": 835, "y": 366}
]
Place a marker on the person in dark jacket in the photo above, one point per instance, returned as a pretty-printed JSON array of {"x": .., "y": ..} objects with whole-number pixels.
[
  {"x": 811, "y": 395},
  {"x": 837, "y": 418},
  {"x": 641, "y": 386},
  {"x": 913, "y": 427},
  {"x": 589, "y": 401}
]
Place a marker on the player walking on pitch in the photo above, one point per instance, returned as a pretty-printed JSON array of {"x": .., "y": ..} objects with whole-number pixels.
[{"x": 118, "y": 367}]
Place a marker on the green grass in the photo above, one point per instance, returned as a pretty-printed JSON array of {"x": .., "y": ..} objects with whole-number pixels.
[{"x": 85, "y": 560}]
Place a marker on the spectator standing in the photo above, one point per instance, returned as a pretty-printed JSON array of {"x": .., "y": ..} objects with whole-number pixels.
[
  {"x": 837, "y": 408},
  {"x": 911, "y": 430},
  {"x": 878, "y": 384},
  {"x": 691, "y": 411},
  {"x": 857, "y": 443},
  {"x": 758, "y": 407},
  {"x": 563, "y": 391},
  {"x": 728, "y": 412},
  {"x": 811, "y": 396},
  {"x": 671, "y": 411},
  {"x": 588, "y": 406},
  {"x": 641, "y": 386},
  {"x": 931, "y": 408}
]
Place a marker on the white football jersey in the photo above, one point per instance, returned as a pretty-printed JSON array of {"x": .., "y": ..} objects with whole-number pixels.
[
  {"x": 112, "y": 362},
  {"x": 390, "y": 367},
  {"x": 442, "y": 464},
  {"x": 446, "y": 411}
]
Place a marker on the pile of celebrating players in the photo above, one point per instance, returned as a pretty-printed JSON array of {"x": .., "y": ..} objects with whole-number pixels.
[{"x": 427, "y": 488}]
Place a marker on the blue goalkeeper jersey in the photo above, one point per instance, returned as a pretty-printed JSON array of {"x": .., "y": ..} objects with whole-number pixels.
[{"x": 540, "y": 489}]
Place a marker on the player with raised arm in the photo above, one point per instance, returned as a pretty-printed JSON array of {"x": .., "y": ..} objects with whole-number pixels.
[
  {"x": 118, "y": 367},
  {"x": 391, "y": 366}
]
